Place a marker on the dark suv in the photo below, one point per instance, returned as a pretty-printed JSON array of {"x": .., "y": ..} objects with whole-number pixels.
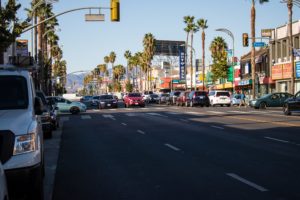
[
  {"x": 199, "y": 98},
  {"x": 292, "y": 104}
]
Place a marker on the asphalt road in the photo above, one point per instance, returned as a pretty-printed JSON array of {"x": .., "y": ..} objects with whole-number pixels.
[{"x": 168, "y": 152}]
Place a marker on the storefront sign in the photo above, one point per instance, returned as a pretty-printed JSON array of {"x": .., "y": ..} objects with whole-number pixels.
[
  {"x": 286, "y": 70},
  {"x": 277, "y": 72},
  {"x": 181, "y": 63},
  {"x": 245, "y": 82},
  {"x": 297, "y": 69}
]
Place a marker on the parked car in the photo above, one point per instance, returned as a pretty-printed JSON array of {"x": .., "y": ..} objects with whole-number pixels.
[
  {"x": 163, "y": 98},
  {"x": 66, "y": 106},
  {"x": 95, "y": 101},
  {"x": 270, "y": 100},
  {"x": 236, "y": 99},
  {"x": 54, "y": 113},
  {"x": 21, "y": 133},
  {"x": 219, "y": 97},
  {"x": 87, "y": 100},
  {"x": 183, "y": 99},
  {"x": 46, "y": 116},
  {"x": 153, "y": 98},
  {"x": 173, "y": 97},
  {"x": 292, "y": 104},
  {"x": 107, "y": 101},
  {"x": 134, "y": 99},
  {"x": 146, "y": 96},
  {"x": 198, "y": 98}
]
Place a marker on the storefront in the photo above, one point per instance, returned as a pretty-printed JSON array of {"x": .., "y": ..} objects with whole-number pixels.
[{"x": 282, "y": 74}]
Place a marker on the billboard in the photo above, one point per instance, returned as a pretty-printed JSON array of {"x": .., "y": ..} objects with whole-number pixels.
[
  {"x": 168, "y": 47},
  {"x": 181, "y": 53},
  {"x": 22, "y": 48}
]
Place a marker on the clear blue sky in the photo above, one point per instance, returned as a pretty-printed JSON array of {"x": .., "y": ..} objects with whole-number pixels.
[{"x": 86, "y": 43}]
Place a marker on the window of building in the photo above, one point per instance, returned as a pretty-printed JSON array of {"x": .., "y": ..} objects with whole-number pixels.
[
  {"x": 273, "y": 51},
  {"x": 278, "y": 50},
  {"x": 296, "y": 42},
  {"x": 284, "y": 48}
]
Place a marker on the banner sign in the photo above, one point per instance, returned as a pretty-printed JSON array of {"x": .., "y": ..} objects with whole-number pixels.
[
  {"x": 287, "y": 70},
  {"x": 277, "y": 72},
  {"x": 266, "y": 32},
  {"x": 297, "y": 69},
  {"x": 182, "y": 63}
]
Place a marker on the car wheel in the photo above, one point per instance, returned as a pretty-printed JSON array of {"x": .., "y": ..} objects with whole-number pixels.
[
  {"x": 74, "y": 110},
  {"x": 286, "y": 109},
  {"x": 262, "y": 105},
  {"x": 48, "y": 134},
  {"x": 37, "y": 189}
]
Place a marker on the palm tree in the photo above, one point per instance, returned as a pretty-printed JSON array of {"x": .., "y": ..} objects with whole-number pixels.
[
  {"x": 112, "y": 58},
  {"x": 134, "y": 62},
  {"x": 187, "y": 21},
  {"x": 202, "y": 24},
  {"x": 127, "y": 55},
  {"x": 149, "y": 48},
  {"x": 253, "y": 18},
  {"x": 118, "y": 71}
]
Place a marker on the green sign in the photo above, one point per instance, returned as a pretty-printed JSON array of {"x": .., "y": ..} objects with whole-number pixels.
[{"x": 230, "y": 74}]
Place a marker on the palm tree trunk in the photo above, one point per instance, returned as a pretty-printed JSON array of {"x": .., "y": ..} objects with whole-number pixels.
[
  {"x": 253, "y": 16},
  {"x": 203, "y": 59},
  {"x": 191, "y": 61},
  {"x": 185, "y": 59},
  {"x": 291, "y": 45}
]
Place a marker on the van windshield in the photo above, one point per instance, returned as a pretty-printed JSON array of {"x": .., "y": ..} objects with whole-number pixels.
[{"x": 13, "y": 93}]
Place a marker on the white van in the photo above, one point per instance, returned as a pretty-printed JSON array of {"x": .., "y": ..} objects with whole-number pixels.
[
  {"x": 219, "y": 97},
  {"x": 21, "y": 133}
]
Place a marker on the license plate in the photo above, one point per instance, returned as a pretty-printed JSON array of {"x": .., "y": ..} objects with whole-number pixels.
[
  {"x": 136, "y": 103},
  {"x": 201, "y": 97},
  {"x": 108, "y": 104}
]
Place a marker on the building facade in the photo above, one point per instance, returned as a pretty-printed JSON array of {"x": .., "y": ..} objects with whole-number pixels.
[{"x": 280, "y": 56}]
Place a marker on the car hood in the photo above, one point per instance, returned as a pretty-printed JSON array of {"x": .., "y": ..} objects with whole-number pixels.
[{"x": 17, "y": 121}]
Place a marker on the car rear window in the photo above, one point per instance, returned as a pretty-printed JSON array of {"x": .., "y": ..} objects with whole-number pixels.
[
  {"x": 134, "y": 95},
  {"x": 223, "y": 94},
  {"x": 106, "y": 97},
  {"x": 200, "y": 93},
  {"x": 14, "y": 92}
]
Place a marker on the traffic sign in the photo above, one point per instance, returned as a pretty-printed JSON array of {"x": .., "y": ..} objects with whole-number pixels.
[{"x": 259, "y": 44}]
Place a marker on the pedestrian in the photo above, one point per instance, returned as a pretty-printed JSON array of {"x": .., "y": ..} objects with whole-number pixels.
[{"x": 243, "y": 101}]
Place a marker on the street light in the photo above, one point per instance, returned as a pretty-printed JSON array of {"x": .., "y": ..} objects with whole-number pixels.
[{"x": 228, "y": 32}]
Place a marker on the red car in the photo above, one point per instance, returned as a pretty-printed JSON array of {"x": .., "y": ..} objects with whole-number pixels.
[
  {"x": 134, "y": 99},
  {"x": 183, "y": 99}
]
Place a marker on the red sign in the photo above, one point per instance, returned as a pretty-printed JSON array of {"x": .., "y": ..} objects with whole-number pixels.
[
  {"x": 287, "y": 70},
  {"x": 277, "y": 72}
]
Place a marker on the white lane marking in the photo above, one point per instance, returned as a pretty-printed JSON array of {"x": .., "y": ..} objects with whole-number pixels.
[
  {"x": 159, "y": 108},
  {"x": 193, "y": 113},
  {"x": 131, "y": 114},
  {"x": 218, "y": 127},
  {"x": 278, "y": 140},
  {"x": 184, "y": 120},
  {"x": 112, "y": 109},
  {"x": 109, "y": 116},
  {"x": 258, "y": 187},
  {"x": 64, "y": 119},
  {"x": 145, "y": 108},
  {"x": 172, "y": 147},
  {"x": 156, "y": 114},
  {"x": 95, "y": 110},
  {"x": 173, "y": 113},
  {"x": 124, "y": 124},
  {"x": 128, "y": 109},
  {"x": 216, "y": 112},
  {"x": 86, "y": 117},
  {"x": 141, "y": 132},
  {"x": 175, "y": 108},
  {"x": 236, "y": 111}
]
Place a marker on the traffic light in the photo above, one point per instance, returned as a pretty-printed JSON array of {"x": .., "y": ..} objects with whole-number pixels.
[
  {"x": 245, "y": 40},
  {"x": 115, "y": 10}
]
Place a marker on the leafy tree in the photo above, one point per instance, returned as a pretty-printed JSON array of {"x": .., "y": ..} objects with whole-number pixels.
[
  {"x": 218, "y": 49},
  {"x": 129, "y": 86},
  {"x": 118, "y": 72},
  {"x": 10, "y": 26}
]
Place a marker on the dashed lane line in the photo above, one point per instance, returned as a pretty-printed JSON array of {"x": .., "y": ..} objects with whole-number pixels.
[
  {"x": 86, "y": 117},
  {"x": 141, "y": 132},
  {"x": 172, "y": 147},
  {"x": 124, "y": 124},
  {"x": 251, "y": 184},
  {"x": 218, "y": 127},
  {"x": 278, "y": 140},
  {"x": 216, "y": 112},
  {"x": 184, "y": 120},
  {"x": 156, "y": 114}
]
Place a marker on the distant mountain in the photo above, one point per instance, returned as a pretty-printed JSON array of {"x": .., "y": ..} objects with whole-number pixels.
[{"x": 74, "y": 82}]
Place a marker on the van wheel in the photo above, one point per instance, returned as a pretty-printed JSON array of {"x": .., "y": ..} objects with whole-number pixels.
[
  {"x": 74, "y": 110},
  {"x": 37, "y": 190}
]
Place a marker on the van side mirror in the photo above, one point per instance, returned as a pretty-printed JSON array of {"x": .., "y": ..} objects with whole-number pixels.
[{"x": 38, "y": 106}]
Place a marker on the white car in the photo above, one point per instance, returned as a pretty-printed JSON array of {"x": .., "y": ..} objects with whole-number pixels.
[
  {"x": 21, "y": 132},
  {"x": 219, "y": 97},
  {"x": 236, "y": 100}
]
